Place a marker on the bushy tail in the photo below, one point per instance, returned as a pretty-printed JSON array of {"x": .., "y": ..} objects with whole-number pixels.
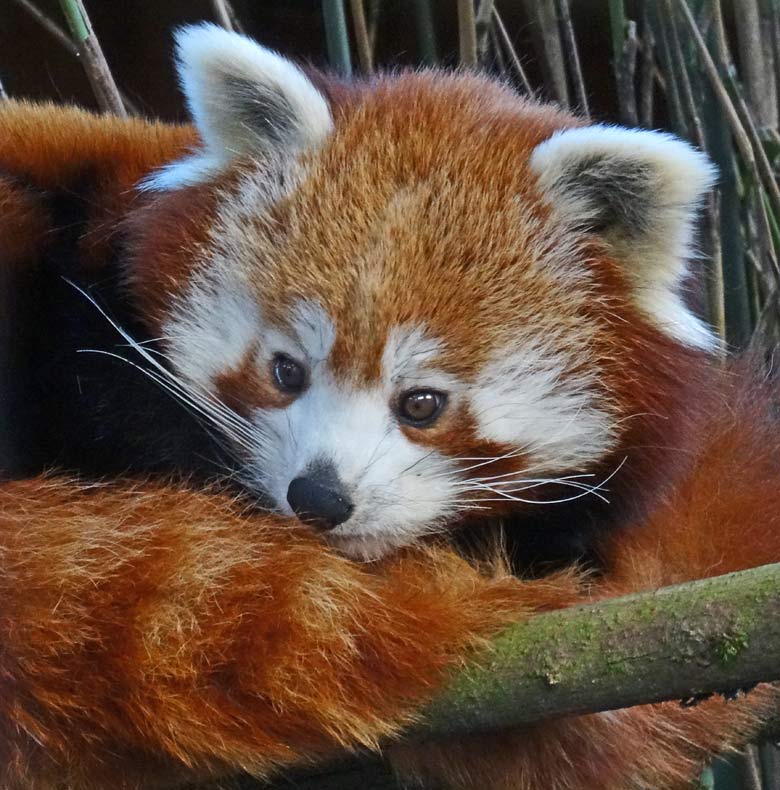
[
  {"x": 723, "y": 516},
  {"x": 149, "y": 634}
]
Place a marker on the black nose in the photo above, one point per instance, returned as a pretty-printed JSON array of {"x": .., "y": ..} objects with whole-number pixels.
[{"x": 319, "y": 498}]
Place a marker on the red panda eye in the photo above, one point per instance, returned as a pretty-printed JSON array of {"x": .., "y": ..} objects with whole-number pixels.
[
  {"x": 421, "y": 408},
  {"x": 289, "y": 375}
]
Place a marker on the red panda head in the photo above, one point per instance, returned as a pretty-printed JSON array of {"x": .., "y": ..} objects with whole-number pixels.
[{"x": 418, "y": 297}]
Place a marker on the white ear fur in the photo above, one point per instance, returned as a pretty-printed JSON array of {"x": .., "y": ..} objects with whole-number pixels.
[
  {"x": 244, "y": 99},
  {"x": 640, "y": 190}
]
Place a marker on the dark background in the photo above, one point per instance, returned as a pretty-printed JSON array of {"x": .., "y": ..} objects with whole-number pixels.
[{"x": 136, "y": 37}]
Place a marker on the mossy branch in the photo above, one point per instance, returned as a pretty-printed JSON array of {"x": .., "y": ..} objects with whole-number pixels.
[
  {"x": 714, "y": 635},
  {"x": 717, "y": 635}
]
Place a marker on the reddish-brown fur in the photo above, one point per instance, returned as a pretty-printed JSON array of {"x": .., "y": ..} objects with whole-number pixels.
[
  {"x": 723, "y": 517},
  {"x": 150, "y": 635},
  {"x": 144, "y": 627},
  {"x": 407, "y": 218}
]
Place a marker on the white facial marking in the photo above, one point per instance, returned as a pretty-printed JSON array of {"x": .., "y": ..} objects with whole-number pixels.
[
  {"x": 399, "y": 489},
  {"x": 409, "y": 361},
  {"x": 216, "y": 321},
  {"x": 216, "y": 325},
  {"x": 523, "y": 399}
]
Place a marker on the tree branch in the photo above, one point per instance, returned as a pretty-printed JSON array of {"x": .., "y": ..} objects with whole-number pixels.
[
  {"x": 682, "y": 642},
  {"x": 707, "y": 636}
]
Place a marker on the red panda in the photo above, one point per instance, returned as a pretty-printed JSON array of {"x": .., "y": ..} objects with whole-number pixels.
[{"x": 390, "y": 312}]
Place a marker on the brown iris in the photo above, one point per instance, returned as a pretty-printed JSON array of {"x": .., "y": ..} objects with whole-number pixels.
[
  {"x": 289, "y": 375},
  {"x": 421, "y": 408}
]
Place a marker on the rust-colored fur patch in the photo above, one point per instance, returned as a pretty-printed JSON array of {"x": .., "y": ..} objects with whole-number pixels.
[{"x": 151, "y": 635}]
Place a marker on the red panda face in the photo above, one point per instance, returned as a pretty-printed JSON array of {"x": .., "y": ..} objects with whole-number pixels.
[{"x": 420, "y": 301}]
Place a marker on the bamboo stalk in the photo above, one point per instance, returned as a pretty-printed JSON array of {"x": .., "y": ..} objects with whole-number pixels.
[
  {"x": 773, "y": 11},
  {"x": 740, "y": 135},
  {"x": 374, "y": 12},
  {"x": 625, "y": 75},
  {"x": 752, "y": 771},
  {"x": 221, "y": 14},
  {"x": 770, "y": 765},
  {"x": 226, "y": 15},
  {"x": 500, "y": 60},
  {"x": 736, "y": 302},
  {"x": 760, "y": 163},
  {"x": 769, "y": 235},
  {"x": 484, "y": 26},
  {"x": 503, "y": 36},
  {"x": 362, "y": 41},
  {"x": 617, "y": 26},
  {"x": 573, "y": 56},
  {"x": 735, "y": 294},
  {"x": 756, "y": 62},
  {"x": 49, "y": 25},
  {"x": 426, "y": 32},
  {"x": 674, "y": 100},
  {"x": 336, "y": 36},
  {"x": 92, "y": 57},
  {"x": 646, "y": 83},
  {"x": 546, "y": 19},
  {"x": 467, "y": 34},
  {"x": 682, "y": 70}
]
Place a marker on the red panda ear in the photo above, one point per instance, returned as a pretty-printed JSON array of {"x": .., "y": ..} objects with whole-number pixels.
[
  {"x": 245, "y": 100},
  {"x": 640, "y": 191}
]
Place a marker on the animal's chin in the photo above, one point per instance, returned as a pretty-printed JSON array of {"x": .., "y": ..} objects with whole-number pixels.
[{"x": 363, "y": 548}]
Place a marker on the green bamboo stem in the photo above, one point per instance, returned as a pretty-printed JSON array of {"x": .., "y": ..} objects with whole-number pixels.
[
  {"x": 484, "y": 26},
  {"x": 222, "y": 14},
  {"x": 684, "y": 69},
  {"x": 545, "y": 16},
  {"x": 503, "y": 36},
  {"x": 573, "y": 56},
  {"x": 673, "y": 97},
  {"x": 336, "y": 36},
  {"x": 92, "y": 57},
  {"x": 617, "y": 26},
  {"x": 647, "y": 81},
  {"x": 51, "y": 27},
  {"x": 721, "y": 93},
  {"x": 756, "y": 59},
  {"x": 467, "y": 34},
  {"x": 426, "y": 32},
  {"x": 362, "y": 39}
]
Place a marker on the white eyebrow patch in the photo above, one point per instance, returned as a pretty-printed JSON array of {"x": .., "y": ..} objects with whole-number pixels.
[
  {"x": 211, "y": 330},
  {"x": 523, "y": 399},
  {"x": 409, "y": 360},
  {"x": 313, "y": 329}
]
